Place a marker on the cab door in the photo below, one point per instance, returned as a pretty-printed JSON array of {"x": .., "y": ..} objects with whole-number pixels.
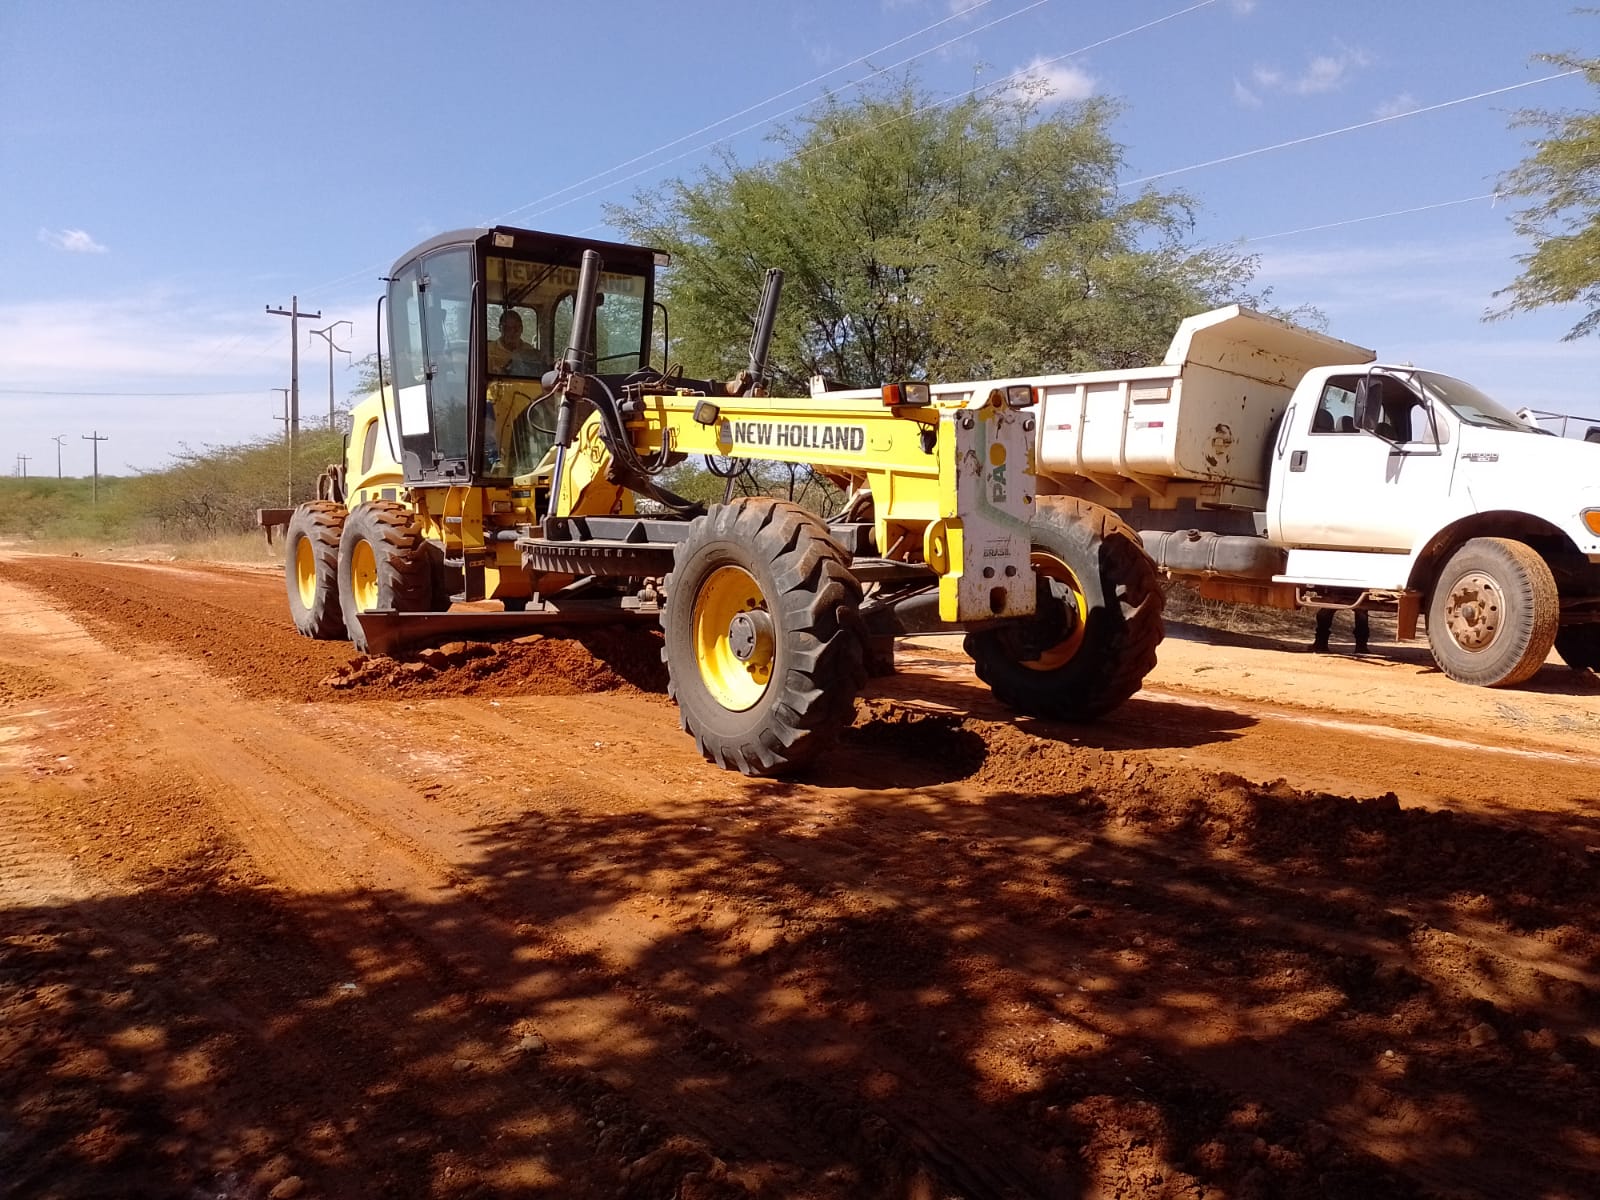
[
  {"x": 1339, "y": 487},
  {"x": 430, "y": 322}
]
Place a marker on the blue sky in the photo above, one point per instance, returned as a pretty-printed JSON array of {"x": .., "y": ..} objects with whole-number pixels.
[{"x": 168, "y": 170}]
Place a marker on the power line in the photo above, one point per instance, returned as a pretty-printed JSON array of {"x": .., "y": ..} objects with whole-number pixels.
[
  {"x": 1014, "y": 76},
  {"x": 954, "y": 16},
  {"x": 1024, "y": 73},
  {"x": 1398, "y": 212},
  {"x": 1315, "y": 137},
  {"x": 966, "y": 12}
]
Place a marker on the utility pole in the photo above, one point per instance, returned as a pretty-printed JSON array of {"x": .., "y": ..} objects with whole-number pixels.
[
  {"x": 96, "y": 439},
  {"x": 294, "y": 314},
  {"x": 58, "y": 439},
  {"x": 22, "y": 463},
  {"x": 327, "y": 336},
  {"x": 285, "y": 419}
]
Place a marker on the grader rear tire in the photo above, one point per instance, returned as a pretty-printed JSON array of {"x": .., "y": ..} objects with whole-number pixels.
[
  {"x": 1494, "y": 613},
  {"x": 383, "y": 563},
  {"x": 311, "y": 569},
  {"x": 1094, "y": 636},
  {"x": 764, "y": 648},
  {"x": 1579, "y": 646}
]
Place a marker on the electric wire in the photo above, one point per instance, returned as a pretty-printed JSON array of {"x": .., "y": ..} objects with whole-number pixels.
[
  {"x": 960, "y": 14},
  {"x": 1316, "y": 137},
  {"x": 1398, "y": 212},
  {"x": 767, "y": 120},
  {"x": 261, "y": 348}
]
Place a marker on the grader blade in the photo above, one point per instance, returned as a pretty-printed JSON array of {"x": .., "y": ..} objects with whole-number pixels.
[{"x": 390, "y": 633}]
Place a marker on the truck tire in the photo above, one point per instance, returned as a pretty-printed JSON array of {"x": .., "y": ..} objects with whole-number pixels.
[
  {"x": 311, "y": 569},
  {"x": 1094, "y": 637},
  {"x": 764, "y": 647},
  {"x": 1579, "y": 646},
  {"x": 383, "y": 563},
  {"x": 1493, "y": 614}
]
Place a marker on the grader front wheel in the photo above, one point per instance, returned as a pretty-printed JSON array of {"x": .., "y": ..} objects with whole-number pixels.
[
  {"x": 383, "y": 564},
  {"x": 763, "y": 650},
  {"x": 311, "y": 569},
  {"x": 1093, "y": 638}
]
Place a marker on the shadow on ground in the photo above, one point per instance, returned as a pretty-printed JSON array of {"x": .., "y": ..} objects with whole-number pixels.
[{"x": 1098, "y": 979}]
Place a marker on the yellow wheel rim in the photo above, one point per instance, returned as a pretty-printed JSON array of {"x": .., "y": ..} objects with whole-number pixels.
[
  {"x": 1059, "y": 655},
  {"x": 305, "y": 573},
  {"x": 364, "y": 576},
  {"x": 735, "y": 683}
]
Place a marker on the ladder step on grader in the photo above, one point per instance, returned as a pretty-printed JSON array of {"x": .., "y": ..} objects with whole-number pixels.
[{"x": 492, "y": 486}]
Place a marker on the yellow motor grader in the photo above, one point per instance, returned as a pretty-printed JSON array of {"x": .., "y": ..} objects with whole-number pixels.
[{"x": 507, "y": 476}]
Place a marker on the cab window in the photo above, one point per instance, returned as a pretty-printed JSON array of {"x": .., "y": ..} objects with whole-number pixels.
[
  {"x": 446, "y": 332},
  {"x": 1336, "y": 409}
]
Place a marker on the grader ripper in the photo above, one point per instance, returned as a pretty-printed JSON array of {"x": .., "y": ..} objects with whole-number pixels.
[{"x": 492, "y": 486}]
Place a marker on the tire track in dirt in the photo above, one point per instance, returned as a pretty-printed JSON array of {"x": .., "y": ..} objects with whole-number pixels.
[{"x": 339, "y": 825}]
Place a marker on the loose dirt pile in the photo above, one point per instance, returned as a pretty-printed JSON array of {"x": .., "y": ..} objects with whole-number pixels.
[{"x": 602, "y": 661}]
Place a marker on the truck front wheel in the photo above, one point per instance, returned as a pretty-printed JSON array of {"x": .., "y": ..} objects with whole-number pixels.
[
  {"x": 1579, "y": 646},
  {"x": 1493, "y": 614},
  {"x": 1093, "y": 637}
]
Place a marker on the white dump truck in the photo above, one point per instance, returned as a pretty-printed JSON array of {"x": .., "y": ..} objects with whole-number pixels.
[{"x": 1275, "y": 465}]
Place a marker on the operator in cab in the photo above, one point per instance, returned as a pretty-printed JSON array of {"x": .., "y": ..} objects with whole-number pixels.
[{"x": 509, "y": 354}]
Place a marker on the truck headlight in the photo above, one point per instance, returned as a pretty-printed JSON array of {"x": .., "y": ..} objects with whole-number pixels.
[{"x": 1591, "y": 519}]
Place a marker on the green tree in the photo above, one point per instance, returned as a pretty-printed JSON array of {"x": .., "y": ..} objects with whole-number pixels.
[
  {"x": 366, "y": 381},
  {"x": 1561, "y": 178},
  {"x": 941, "y": 241}
]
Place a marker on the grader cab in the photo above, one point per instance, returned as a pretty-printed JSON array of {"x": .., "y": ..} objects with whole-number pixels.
[{"x": 508, "y": 476}]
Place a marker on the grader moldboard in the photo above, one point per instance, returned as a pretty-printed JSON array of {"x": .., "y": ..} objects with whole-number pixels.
[{"x": 493, "y": 487}]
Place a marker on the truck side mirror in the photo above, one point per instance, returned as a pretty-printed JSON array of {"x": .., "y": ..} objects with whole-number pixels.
[{"x": 1366, "y": 409}]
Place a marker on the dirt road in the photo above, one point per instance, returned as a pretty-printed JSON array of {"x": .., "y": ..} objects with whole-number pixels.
[{"x": 1285, "y": 926}]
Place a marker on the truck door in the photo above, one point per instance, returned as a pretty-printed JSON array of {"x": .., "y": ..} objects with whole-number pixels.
[{"x": 1337, "y": 487}]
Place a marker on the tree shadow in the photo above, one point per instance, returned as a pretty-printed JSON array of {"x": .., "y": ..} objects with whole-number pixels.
[{"x": 1123, "y": 981}]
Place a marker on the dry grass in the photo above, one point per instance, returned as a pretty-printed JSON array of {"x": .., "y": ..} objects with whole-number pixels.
[{"x": 248, "y": 548}]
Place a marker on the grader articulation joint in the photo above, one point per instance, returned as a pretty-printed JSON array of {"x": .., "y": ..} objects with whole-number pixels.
[{"x": 495, "y": 475}]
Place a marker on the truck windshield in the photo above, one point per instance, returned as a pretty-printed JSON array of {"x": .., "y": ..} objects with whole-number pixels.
[{"x": 1471, "y": 405}]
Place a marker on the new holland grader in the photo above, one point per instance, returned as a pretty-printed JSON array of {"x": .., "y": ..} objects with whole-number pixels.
[{"x": 498, "y": 483}]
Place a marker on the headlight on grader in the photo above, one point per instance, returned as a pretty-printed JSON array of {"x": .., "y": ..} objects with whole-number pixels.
[
  {"x": 1591, "y": 519},
  {"x": 907, "y": 395}
]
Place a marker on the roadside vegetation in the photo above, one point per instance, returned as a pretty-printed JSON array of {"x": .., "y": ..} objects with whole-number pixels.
[{"x": 205, "y": 499}]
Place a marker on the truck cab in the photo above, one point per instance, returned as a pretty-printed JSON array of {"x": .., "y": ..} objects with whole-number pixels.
[
  {"x": 1392, "y": 484},
  {"x": 1277, "y": 465}
]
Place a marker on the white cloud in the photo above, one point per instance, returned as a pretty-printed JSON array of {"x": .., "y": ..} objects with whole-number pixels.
[
  {"x": 1243, "y": 96},
  {"x": 1064, "y": 81},
  {"x": 1403, "y": 103},
  {"x": 964, "y": 6},
  {"x": 75, "y": 241},
  {"x": 1267, "y": 77},
  {"x": 1242, "y": 7},
  {"x": 1322, "y": 73}
]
